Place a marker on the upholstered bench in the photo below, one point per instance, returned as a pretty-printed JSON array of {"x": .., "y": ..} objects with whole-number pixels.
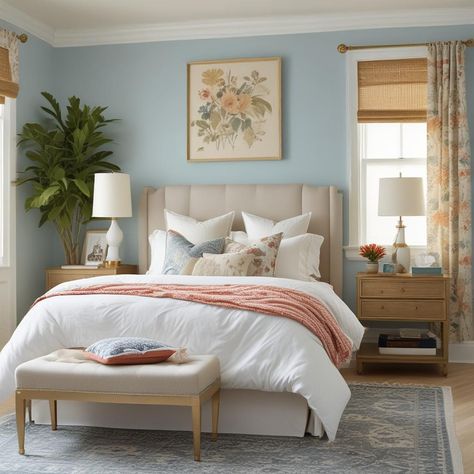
[{"x": 53, "y": 378}]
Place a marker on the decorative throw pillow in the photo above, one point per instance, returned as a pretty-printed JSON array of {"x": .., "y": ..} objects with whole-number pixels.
[
  {"x": 259, "y": 227},
  {"x": 179, "y": 250},
  {"x": 128, "y": 351},
  {"x": 157, "y": 241},
  {"x": 198, "y": 232},
  {"x": 298, "y": 257},
  {"x": 227, "y": 264},
  {"x": 264, "y": 252}
]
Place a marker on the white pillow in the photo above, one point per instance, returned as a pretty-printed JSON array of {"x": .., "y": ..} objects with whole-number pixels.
[
  {"x": 298, "y": 257},
  {"x": 259, "y": 227},
  {"x": 198, "y": 232},
  {"x": 157, "y": 240}
]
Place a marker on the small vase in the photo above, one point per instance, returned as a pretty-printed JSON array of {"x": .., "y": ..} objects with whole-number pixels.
[{"x": 372, "y": 267}]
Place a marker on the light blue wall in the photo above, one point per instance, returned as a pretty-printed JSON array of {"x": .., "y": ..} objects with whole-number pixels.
[
  {"x": 34, "y": 249},
  {"x": 145, "y": 86}
]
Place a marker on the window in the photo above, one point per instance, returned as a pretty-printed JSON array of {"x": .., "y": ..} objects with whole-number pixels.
[
  {"x": 2, "y": 187},
  {"x": 386, "y": 92},
  {"x": 7, "y": 159},
  {"x": 386, "y": 150}
]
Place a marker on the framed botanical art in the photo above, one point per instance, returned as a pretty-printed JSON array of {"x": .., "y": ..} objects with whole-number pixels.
[{"x": 234, "y": 110}]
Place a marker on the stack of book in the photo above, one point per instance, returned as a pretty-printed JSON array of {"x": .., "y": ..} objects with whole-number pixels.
[{"x": 424, "y": 344}]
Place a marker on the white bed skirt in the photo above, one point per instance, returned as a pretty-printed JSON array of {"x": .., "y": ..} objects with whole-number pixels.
[{"x": 241, "y": 411}]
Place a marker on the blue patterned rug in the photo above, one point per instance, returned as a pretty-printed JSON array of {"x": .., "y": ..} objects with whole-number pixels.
[{"x": 385, "y": 429}]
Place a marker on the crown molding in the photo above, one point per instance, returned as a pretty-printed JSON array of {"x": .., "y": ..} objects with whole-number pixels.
[
  {"x": 26, "y": 22},
  {"x": 241, "y": 27},
  {"x": 263, "y": 26}
]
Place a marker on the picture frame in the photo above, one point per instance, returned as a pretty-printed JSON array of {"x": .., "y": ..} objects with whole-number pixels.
[
  {"x": 389, "y": 268},
  {"x": 94, "y": 250},
  {"x": 234, "y": 110}
]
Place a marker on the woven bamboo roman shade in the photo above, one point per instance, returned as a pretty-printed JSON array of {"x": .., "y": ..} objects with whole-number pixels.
[
  {"x": 8, "y": 65},
  {"x": 392, "y": 90}
]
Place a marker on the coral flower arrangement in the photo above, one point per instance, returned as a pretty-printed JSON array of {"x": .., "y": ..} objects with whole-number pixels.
[
  {"x": 232, "y": 108},
  {"x": 373, "y": 253}
]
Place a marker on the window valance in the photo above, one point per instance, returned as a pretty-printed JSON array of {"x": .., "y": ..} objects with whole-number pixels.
[
  {"x": 392, "y": 90},
  {"x": 9, "y": 67}
]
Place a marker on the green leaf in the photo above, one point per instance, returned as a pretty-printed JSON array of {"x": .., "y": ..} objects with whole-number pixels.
[
  {"x": 45, "y": 196},
  {"x": 249, "y": 136},
  {"x": 215, "y": 119},
  {"x": 82, "y": 187},
  {"x": 202, "y": 124},
  {"x": 235, "y": 123}
]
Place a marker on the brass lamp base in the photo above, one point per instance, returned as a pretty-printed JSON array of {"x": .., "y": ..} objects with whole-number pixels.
[{"x": 112, "y": 263}]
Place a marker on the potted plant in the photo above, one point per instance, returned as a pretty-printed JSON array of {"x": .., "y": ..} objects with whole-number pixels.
[
  {"x": 373, "y": 253},
  {"x": 64, "y": 159}
]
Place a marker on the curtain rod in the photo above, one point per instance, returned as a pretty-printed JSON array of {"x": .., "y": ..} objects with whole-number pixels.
[
  {"x": 343, "y": 48},
  {"x": 23, "y": 37}
]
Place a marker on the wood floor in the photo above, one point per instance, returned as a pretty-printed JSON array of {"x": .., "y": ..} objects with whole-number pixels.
[{"x": 460, "y": 379}]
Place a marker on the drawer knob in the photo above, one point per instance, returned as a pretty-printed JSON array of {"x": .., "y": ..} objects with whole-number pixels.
[
  {"x": 382, "y": 307},
  {"x": 381, "y": 292},
  {"x": 403, "y": 290}
]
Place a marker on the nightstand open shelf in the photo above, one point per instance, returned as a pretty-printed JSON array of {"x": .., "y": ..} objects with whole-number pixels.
[{"x": 403, "y": 298}]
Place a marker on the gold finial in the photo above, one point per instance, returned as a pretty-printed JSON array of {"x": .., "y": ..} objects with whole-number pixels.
[
  {"x": 23, "y": 37},
  {"x": 469, "y": 43},
  {"x": 342, "y": 48}
]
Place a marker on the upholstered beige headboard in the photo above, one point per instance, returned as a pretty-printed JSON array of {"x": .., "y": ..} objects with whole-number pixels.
[{"x": 274, "y": 201}]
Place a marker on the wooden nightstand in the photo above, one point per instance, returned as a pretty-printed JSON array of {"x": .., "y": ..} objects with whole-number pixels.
[
  {"x": 403, "y": 297},
  {"x": 57, "y": 275}
]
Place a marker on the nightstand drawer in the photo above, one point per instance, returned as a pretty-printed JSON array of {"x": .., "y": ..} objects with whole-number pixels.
[
  {"x": 387, "y": 288},
  {"x": 420, "y": 310}
]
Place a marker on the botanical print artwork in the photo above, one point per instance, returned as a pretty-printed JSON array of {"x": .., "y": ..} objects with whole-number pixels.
[
  {"x": 234, "y": 110},
  {"x": 449, "y": 179}
]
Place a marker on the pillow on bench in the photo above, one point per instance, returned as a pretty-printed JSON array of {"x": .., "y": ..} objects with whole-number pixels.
[{"x": 128, "y": 351}]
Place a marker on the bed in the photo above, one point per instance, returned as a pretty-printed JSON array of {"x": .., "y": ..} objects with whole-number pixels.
[{"x": 286, "y": 392}]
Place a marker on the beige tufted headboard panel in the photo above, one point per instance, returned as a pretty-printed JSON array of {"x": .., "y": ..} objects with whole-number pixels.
[{"x": 274, "y": 201}]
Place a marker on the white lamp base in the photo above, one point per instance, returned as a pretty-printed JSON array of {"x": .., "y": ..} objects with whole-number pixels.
[{"x": 114, "y": 239}]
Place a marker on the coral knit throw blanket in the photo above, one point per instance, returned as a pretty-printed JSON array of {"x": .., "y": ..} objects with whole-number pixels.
[{"x": 270, "y": 300}]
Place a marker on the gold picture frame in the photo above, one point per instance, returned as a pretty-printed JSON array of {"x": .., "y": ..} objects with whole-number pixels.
[{"x": 234, "y": 110}]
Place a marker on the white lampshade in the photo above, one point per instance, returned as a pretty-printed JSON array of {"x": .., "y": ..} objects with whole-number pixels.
[
  {"x": 401, "y": 197},
  {"x": 112, "y": 197}
]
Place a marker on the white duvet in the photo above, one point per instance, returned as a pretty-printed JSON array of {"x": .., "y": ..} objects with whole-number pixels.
[{"x": 256, "y": 351}]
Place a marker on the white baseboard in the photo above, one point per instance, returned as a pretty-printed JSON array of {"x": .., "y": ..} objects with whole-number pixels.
[{"x": 462, "y": 352}]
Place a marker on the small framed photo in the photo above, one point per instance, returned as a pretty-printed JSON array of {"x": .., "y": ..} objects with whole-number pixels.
[
  {"x": 94, "y": 250},
  {"x": 389, "y": 268}
]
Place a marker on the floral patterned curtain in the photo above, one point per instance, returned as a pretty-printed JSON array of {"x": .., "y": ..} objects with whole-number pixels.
[{"x": 449, "y": 179}]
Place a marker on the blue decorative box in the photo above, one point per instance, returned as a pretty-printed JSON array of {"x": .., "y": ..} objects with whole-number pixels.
[{"x": 435, "y": 271}]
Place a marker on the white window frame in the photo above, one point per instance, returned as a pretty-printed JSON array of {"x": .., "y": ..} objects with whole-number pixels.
[
  {"x": 353, "y": 139},
  {"x": 8, "y": 198}
]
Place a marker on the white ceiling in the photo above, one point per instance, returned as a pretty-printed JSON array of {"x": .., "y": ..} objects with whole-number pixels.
[{"x": 77, "y": 22}]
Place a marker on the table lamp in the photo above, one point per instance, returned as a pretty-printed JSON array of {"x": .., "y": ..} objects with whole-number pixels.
[
  {"x": 401, "y": 197},
  {"x": 112, "y": 199}
]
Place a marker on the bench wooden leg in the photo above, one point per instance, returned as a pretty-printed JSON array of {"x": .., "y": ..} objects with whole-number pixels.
[
  {"x": 20, "y": 405},
  {"x": 197, "y": 428},
  {"x": 215, "y": 414},
  {"x": 53, "y": 408},
  {"x": 30, "y": 415}
]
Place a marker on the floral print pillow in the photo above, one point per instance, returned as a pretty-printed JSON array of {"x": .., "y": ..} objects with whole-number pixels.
[
  {"x": 230, "y": 264},
  {"x": 264, "y": 252}
]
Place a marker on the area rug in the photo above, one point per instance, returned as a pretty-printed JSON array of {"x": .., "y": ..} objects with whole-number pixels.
[{"x": 385, "y": 429}]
